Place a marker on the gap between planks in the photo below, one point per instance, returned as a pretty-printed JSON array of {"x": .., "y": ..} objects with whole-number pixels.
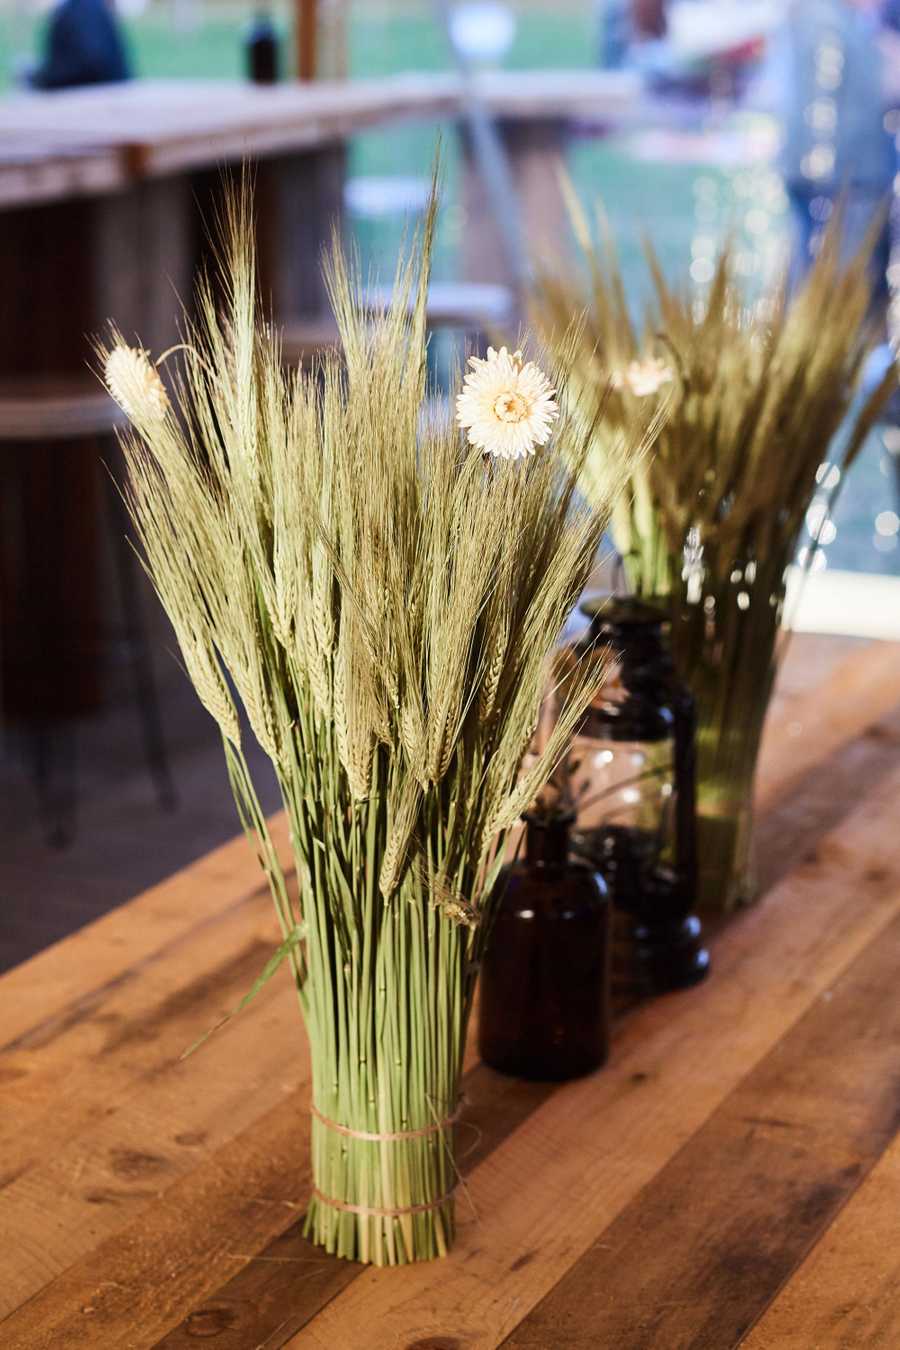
[{"x": 847, "y": 1291}]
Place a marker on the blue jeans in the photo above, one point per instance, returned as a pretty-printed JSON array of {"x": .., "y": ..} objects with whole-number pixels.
[{"x": 811, "y": 208}]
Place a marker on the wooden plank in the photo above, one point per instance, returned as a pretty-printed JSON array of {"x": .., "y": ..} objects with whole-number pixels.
[
  {"x": 41, "y": 171},
  {"x": 99, "y": 1077},
  {"x": 847, "y": 1292},
  {"x": 299, "y": 203},
  {"x": 810, "y": 725},
  {"x": 143, "y": 259},
  {"x": 534, "y": 150},
  {"x": 61, "y": 1076},
  {"x": 168, "y": 126},
  {"x": 703, "y": 1249},
  {"x": 797, "y": 819},
  {"x": 212, "y": 1219},
  {"x": 58, "y": 1068},
  {"x": 131, "y": 1288},
  {"x": 589, "y": 1151},
  {"x": 261, "y": 1294},
  {"x": 66, "y": 1192},
  {"x": 266, "y": 1302},
  {"x": 75, "y": 973}
]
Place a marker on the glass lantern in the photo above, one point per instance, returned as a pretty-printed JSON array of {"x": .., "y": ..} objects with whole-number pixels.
[{"x": 633, "y": 780}]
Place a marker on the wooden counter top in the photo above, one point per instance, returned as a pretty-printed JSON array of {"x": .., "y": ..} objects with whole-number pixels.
[
  {"x": 729, "y": 1179},
  {"x": 167, "y": 126}
]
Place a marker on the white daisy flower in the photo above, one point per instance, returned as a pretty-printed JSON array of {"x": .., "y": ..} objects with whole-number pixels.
[
  {"x": 643, "y": 377},
  {"x": 506, "y": 405},
  {"x": 133, "y": 381}
]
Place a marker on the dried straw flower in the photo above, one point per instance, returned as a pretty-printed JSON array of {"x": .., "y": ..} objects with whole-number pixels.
[
  {"x": 643, "y": 377},
  {"x": 133, "y": 381},
  {"x": 506, "y": 405}
]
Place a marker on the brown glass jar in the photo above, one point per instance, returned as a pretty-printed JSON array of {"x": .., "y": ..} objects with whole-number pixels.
[{"x": 544, "y": 1008}]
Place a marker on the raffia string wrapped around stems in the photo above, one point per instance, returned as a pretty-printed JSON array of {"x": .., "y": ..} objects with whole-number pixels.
[
  {"x": 749, "y": 400},
  {"x": 384, "y": 600}
]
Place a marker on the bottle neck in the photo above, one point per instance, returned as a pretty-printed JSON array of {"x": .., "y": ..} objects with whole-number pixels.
[
  {"x": 635, "y": 634},
  {"x": 547, "y": 841}
]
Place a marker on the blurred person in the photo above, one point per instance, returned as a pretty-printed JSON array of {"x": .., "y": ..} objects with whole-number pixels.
[
  {"x": 83, "y": 45},
  {"x": 624, "y": 22},
  {"x": 827, "y": 74}
]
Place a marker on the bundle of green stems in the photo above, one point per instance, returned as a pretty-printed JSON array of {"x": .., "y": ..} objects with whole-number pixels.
[{"x": 384, "y": 600}]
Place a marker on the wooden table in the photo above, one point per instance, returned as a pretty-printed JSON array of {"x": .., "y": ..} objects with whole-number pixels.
[
  {"x": 171, "y": 125},
  {"x": 732, "y": 1177}
]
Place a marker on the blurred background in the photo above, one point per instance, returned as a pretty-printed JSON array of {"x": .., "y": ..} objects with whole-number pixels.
[{"x": 690, "y": 121}]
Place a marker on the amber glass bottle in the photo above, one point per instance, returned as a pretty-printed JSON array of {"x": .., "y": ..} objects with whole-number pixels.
[{"x": 544, "y": 1010}]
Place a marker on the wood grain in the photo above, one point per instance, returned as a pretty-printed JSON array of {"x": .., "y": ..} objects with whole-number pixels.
[
  {"x": 65, "y": 978},
  {"x": 187, "y": 1219},
  {"x": 847, "y": 1292},
  {"x": 169, "y": 126},
  {"x": 98, "y": 1078},
  {"x": 132, "y": 1287},
  {"x": 129, "y": 1148},
  {"x": 797, "y": 819},
  {"x": 288, "y": 1282},
  {"x": 581, "y": 1159},
  {"x": 61, "y": 1076},
  {"x": 812, "y": 717},
  {"x": 704, "y": 1248},
  {"x": 155, "y": 1202}
]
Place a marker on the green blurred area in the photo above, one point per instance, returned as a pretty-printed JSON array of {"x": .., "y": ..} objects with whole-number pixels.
[
  {"x": 204, "y": 40},
  {"x": 681, "y": 201}
]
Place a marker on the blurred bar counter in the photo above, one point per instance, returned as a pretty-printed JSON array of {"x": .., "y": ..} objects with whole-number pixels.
[{"x": 106, "y": 194}]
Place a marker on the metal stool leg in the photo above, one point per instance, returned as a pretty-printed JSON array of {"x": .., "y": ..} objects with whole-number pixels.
[
  {"x": 55, "y": 773},
  {"x": 140, "y": 659},
  {"x": 49, "y": 732}
]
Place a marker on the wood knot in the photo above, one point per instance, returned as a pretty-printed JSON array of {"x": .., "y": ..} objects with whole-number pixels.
[
  {"x": 129, "y": 1163},
  {"x": 211, "y": 1321}
]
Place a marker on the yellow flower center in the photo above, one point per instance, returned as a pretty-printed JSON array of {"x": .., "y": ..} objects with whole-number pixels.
[{"x": 511, "y": 407}]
